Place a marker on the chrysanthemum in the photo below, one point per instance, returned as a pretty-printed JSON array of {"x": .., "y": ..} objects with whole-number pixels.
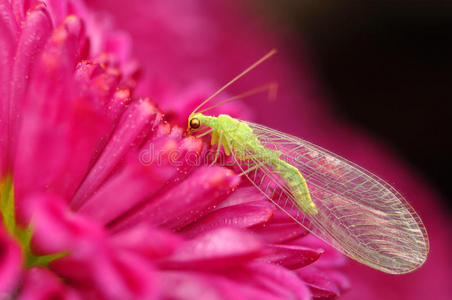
[
  {"x": 103, "y": 198},
  {"x": 179, "y": 43}
]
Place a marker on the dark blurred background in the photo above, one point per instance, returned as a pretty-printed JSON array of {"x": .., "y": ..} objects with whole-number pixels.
[{"x": 387, "y": 66}]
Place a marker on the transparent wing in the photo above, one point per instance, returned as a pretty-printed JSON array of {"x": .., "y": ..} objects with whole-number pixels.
[{"x": 358, "y": 213}]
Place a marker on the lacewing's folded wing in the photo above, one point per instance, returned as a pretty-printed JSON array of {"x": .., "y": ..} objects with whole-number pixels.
[{"x": 358, "y": 213}]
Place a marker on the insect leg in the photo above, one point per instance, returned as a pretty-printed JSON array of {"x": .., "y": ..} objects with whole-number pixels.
[
  {"x": 220, "y": 140},
  {"x": 251, "y": 169},
  {"x": 205, "y": 133}
]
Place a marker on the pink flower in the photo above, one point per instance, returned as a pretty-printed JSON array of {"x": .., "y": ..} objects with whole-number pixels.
[
  {"x": 215, "y": 40},
  {"x": 102, "y": 198}
]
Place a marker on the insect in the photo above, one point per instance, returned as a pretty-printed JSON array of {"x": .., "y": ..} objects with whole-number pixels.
[{"x": 341, "y": 203}]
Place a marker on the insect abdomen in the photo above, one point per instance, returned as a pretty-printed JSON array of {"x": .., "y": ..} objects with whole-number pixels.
[{"x": 297, "y": 185}]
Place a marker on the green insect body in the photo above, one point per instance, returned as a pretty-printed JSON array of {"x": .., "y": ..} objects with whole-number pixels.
[{"x": 235, "y": 135}]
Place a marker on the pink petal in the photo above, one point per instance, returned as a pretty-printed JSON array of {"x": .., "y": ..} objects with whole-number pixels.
[
  {"x": 187, "y": 286},
  {"x": 56, "y": 228},
  {"x": 7, "y": 45},
  {"x": 41, "y": 284},
  {"x": 86, "y": 71},
  {"x": 330, "y": 257},
  {"x": 243, "y": 195},
  {"x": 136, "y": 123},
  {"x": 119, "y": 43},
  {"x": 132, "y": 186},
  {"x": 196, "y": 285},
  {"x": 7, "y": 18},
  {"x": 273, "y": 279},
  {"x": 220, "y": 248},
  {"x": 18, "y": 9},
  {"x": 141, "y": 178},
  {"x": 291, "y": 257},
  {"x": 242, "y": 216},
  {"x": 124, "y": 276},
  {"x": 34, "y": 35},
  {"x": 189, "y": 154},
  {"x": 77, "y": 266},
  {"x": 111, "y": 273},
  {"x": 57, "y": 9},
  {"x": 117, "y": 274},
  {"x": 107, "y": 41},
  {"x": 100, "y": 85},
  {"x": 10, "y": 262},
  {"x": 321, "y": 286},
  {"x": 280, "y": 229},
  {"x": 186, "y": 202},
  {"x": 341, "y": 281},
  {"x": 119, "y": 102},
  {"x": 147, "y": 241},
  {"x": 100, "y": 81}
]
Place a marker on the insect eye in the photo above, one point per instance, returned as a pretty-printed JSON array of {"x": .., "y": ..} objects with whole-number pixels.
[{"x": 195, "y": 123}]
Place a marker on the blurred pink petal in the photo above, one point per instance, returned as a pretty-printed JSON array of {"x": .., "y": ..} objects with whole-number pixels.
[
  {"x": 220, "y": 248},
  {"x": 274, "y": 279},
  {"x": 190, "y": 285},
  {"x": 321, "y": 286},
  {"x": 109, "y": 273},
  {"x": 119, "y": 274},
  {"x": 339, "y": 279},
  {"x": 41, "y": 284},
  {"x": 147, "y": 241},
  {"x": 10, "y": 263},
  {"x": 56, "y": 228},
  {"x": 7, "y": 19},
  {"x": 124, "y": 276}
]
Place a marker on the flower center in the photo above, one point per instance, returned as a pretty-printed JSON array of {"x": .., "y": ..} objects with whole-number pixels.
[{"x": 21, "y": 234}]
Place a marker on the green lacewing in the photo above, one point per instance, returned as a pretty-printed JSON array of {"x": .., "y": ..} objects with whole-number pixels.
[{"x": 341, "y": 203}]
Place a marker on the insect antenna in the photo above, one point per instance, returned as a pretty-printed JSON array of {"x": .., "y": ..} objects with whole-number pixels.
[
  {"x": 264, "y": 58},
  {"x": 271, "y": 87}
]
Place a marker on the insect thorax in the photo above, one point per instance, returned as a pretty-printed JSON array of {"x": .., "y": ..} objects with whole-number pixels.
[
  {"x": 223, "y": 123},
  {"x": 238, "y": 135}
]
